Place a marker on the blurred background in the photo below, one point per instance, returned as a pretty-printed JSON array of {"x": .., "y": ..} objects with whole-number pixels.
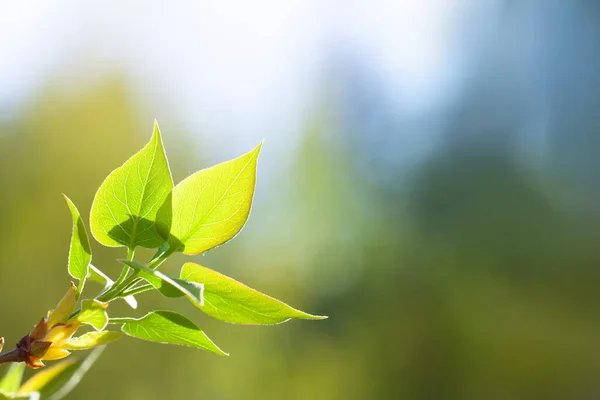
[{"x": 430, "y": 180}]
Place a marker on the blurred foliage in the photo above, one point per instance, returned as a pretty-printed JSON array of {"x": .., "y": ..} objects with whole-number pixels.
[{"x": 475, "y": 279}]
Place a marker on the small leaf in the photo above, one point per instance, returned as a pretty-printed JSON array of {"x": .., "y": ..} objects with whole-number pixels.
[
  {"x": 97, "y": 275},
  {"x": 93, "y": 339},
  {"x": 93, "y": 312},
  {"x": 229, "y": 300},
  {"x": 57, "y": 381},
  {"x": 80, "y": 254},
  {"x": 124, "y": 208},
  {"x": 64, "y": 308},
  {"x": 169, "y": 287},
  {"x": 209, "y": 207},
  {"x": 169, "y": 327},
  {"x": 12, "y": 380}
]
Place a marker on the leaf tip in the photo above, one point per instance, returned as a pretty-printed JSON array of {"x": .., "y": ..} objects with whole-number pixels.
[
  {"x": 312, "y": 317},
  {"x": 68, "y": 200},
  {"x": 217, "y": 350},
  {"x": 156, "y": 129}
]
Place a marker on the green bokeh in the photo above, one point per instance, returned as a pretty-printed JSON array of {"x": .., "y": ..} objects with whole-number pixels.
[{"x": 468, "y": 281}]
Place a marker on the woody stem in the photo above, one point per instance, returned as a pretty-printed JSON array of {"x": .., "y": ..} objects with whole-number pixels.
[{"x": 13, "y": 355}]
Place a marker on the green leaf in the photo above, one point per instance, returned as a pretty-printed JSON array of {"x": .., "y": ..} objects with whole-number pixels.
[
  {"x": 209, "y": 207},
  {"x": 92, "y": 339},
  {"x": 97, "y": 275},
  {"x": 169, "y": 327},
  {"x": 229, "y": 300},
  {"x": 12, "y": 380},
  {"x": 124, "y": 208},
  {"x": 93, "y": 312},
  {"x": 64, "y": 308},
  {"x": 80, "y": 254},
  {"x": 57, "y": 381},
  {"x": 168, "y": 287}
]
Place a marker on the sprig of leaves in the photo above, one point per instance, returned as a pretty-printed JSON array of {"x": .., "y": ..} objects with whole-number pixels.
[{"x": 137, "y": 205}]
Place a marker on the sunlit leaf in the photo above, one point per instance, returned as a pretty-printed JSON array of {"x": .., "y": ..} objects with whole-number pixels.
[
  {"x": 80, "y": 254},
  {"x": 211, "y": 206},
  {"x": 93, "y": 312},
  {"x": 169, "y": 327},
  {"x": 229, "y": 300},
  {"x": 124, "y": 208},
  {"x": 167, "y": 286},
  {"x": 11, "y": 381},
  {"x": 100, "y": 277},
  {"x": 92, "y": 339},
  {"x": 64, "y": 308},
  {"x": 57, "y": 381}
]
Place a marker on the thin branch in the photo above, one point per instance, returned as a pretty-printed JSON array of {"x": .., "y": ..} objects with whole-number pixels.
[{"x": 14, "y": 355}]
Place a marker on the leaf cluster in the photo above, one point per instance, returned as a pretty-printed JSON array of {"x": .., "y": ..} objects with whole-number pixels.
[{"x": 138, "y": 205}]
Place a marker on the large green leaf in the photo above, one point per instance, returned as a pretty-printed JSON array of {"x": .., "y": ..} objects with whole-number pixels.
[
  {"x": 167, "y": 286},
  {"x": 211, "y": 206},
  {"x": 229, "y": 300},
  {"x": 57, "y": 381},
  {"x": 169, "y": 327},
  {"x": 80, "y": 254},
  {"x": 124, "y": 208},
  {"x": 93, "y": 312},
  {"x": 100, "y": 277},
  {"x": 92, "y": 339},
  {"x": 11, "y": 381}
]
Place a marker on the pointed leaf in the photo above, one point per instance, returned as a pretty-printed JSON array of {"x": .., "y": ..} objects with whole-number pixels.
[
  {"x": 93, "y": 312},
  {"x": 12, "y": 380},
  {"x": 92, "y": 339},
  {"x": 64, "y": 308},
  {"x": 124, "y": 208},
  {"x": 80, "y": 254},
  {"x": 57, "y": 381},
  {"x": 229, "y": 300},
  {"x": 169, "y": 327},
  {"x": 169, "y": 287},
  {"x": 211, "y": 206},
  {"x": 97, "y": 275}
]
